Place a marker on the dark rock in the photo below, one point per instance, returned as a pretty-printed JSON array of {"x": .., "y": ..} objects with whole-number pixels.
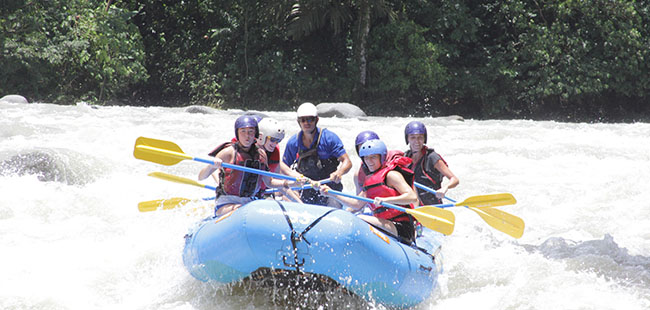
[
  {"x": 199, "y": 109},
  {"x": 339, "y": 109}
]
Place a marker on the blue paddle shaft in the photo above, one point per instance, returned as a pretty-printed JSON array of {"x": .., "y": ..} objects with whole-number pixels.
[
  {"x": 247, "y": 169},
  {"x": 385, "y": 204},
  {"x": 308, "y": 186},
  {"x": 431, "y": 190}
]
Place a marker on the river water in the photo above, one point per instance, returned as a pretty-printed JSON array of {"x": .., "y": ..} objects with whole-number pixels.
[{"x": 71, "y": 236}]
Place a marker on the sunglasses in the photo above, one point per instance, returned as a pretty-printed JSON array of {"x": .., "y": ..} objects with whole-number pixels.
[
  {"x": 274, "y": 140},
  {"x": 309, "y": 119}
]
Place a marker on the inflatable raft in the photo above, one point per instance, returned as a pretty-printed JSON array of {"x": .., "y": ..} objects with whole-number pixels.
[{"x": 269, "y": 237}]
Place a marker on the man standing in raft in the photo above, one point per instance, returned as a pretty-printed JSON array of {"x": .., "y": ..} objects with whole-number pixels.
[
  {"x": 428, "y": 166},
  {"x": 315, "y": 153},
  {"x": 389, "y": 181},
  {"x": 237, "y": 187}
]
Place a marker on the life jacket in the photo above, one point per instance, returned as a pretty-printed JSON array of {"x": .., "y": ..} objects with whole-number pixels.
[
  {"x": 375, "y": 186},
  {"x": 240, "y": 183},
  {"x": 311, "y": 165},
  {"x": 432, "y": 179},
  {"x": 363, "y": 170},
  {"x": 274, "y": 161},
  {"x": 274, "y": 158}
]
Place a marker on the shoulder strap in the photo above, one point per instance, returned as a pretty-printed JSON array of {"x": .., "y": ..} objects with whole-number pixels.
[
  {"x": 319, "y": 135},
  {"x": 219, "y": 148}
]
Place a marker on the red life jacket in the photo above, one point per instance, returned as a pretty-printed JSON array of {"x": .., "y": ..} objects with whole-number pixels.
[
  {"x": 240, "y": 183},
  {"x": 274, "y": 161},
  {"x": 375, "y": 186},
  {"x": 274, "y": 158}
]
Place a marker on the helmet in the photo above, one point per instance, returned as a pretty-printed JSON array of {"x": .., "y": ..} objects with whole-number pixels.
[
  {"x": 270, "y": 128},
  {"x": 246, "y": 121},
  {"x": 307, "y": 109},
  {"x": 415, "y": 127},
  {"x": 257, "y": 117},
  {"x": 363, "y": 137},
  {"x": 372, "y": 147}
]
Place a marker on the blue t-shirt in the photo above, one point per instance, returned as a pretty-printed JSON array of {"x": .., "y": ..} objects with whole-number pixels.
[{"x": 330, "y": 146}]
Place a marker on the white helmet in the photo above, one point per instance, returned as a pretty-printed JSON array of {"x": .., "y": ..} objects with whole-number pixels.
[
  {"x": 270, "y": 128},
  {"x": 307, "y": 109}
]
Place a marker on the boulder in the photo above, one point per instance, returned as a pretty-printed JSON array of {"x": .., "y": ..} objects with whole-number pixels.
[
  {"x": 14, "y": 99},
  {"x": 452, "y": 118},
  {"x": 199, "y": 109},
  {"x": 339, "y": 109},
  {"x": 259, "y": 115}
]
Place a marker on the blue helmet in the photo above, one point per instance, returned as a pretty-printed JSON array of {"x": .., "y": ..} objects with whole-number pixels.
[
  {"x": 372, "y": 147},
  {"x": 363, "y": 137},
  {"x": 246, "y": 121},
  {"x": 413, "y": 128}
]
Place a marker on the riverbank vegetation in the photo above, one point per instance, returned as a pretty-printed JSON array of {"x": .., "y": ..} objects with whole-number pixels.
[{"x": 564, "y": 60}]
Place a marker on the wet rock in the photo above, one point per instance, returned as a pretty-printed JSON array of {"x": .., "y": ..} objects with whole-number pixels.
[
  {"x": 452, "y": 118},
  {"x": 13, "y": 99},
  {"x": 48, "y": 165},
  {"x": 199, "y": 109},
  {"x": 339, "y": 109}
]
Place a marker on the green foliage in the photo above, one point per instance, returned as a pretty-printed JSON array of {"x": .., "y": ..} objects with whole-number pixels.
[
  {"x": 402, "y": 65},
  {"x": 59, "y": 50},
  {"x": 568, "y": 60}
]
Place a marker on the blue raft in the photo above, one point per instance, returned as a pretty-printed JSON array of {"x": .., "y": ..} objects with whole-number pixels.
[{"x": 310, "y": 239}]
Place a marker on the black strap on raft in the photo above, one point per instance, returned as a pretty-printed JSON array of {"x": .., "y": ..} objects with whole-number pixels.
[{"x": 297, "y": 237}]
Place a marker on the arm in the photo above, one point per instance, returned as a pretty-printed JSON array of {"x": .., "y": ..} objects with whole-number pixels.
[
  {"x": 286, "y": 170},
  {"x": 358, "y": 186},
  {"x": 453, "y": 180},
  {"x": 225, "y": 155},
  {"x": 289, "y": 157},
  {"x": 353, "y": 204},
  {"x": 343, "y": 168},
  {"x": 407, "y": 195},
  {"x": 278, "y": 183}
]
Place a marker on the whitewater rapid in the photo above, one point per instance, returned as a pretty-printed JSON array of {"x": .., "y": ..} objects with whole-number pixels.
[{"x": 71, "y": 236}]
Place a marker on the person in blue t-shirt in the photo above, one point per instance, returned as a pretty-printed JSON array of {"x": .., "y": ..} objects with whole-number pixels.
[{"x": 315, "y": 153}]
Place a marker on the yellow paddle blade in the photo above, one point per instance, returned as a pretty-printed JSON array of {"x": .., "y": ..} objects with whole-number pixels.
[
  {"x": 159, "y": 151},
  {"x": 437, "y": 219},
  {"x": 503, "y": 221},
  {"x": 175, "y": 178},
  {"x": 486, "y": 201},
  {"x": 166, "y": 204}
]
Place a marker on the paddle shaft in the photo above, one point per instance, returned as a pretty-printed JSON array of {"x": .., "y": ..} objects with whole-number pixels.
[
  {"x": 433, "y": 218},
  {"x": 181, "y": 156},
  {"x": 385, "y": 204},
  {"x": 270, "y": 190},
  {"x": 178, "y": 179},
  {"x": 248, "y": 169},
  {"x": 430, "y": 190}
]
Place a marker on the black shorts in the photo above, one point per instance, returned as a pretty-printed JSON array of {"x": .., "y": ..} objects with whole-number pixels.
[{"x": 406, "y": 230}]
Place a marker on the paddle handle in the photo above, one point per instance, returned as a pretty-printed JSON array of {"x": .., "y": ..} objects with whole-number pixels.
[
  {"x": 308, "y": 186},
  {"x": 385, "y": 204}
]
